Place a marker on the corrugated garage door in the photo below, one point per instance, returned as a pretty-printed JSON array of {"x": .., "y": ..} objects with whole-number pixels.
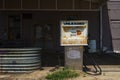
[{"x": 114, "y": 16}]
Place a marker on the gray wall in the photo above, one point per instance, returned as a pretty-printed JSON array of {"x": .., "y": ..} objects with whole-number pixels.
[
  {"x": 114, "y": 18},
  {"x": 111, "y": 25}
]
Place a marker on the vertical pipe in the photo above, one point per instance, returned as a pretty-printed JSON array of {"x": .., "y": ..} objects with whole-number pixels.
[
  {"x": 101, "y": 30},
  {"x": 101, "y": 27},
  {"x": 21, "y": 26}
]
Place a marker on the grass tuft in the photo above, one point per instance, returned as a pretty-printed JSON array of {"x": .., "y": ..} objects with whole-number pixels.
[{"x": 62, "y": 74}]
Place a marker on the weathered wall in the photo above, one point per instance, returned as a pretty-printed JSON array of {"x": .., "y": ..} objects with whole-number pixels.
[
  {"x": 111, "y": 26},
  {"x": 93, "y": 21},
  {"x": 54, "y": 17},
  {"x": 50, "y": 56},
  {"x": 114, "y": 18}
]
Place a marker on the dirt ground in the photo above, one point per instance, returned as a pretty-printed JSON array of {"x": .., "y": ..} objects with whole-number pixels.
[
  {"x": 40, "y": 75},
  {"x": 110, "y": 66}
]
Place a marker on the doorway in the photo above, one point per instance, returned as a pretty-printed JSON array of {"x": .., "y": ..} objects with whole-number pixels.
[{"x": 44, "y": 36}]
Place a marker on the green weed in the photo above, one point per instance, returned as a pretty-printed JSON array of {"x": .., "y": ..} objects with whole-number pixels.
[{"x": 62, "y": 74}]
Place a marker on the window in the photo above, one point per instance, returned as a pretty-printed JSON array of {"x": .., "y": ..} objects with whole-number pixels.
[{"x": 14, "y": 27}]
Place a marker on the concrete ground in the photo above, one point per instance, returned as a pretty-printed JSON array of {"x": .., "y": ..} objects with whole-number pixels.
[{"x": 40, "y": 75}]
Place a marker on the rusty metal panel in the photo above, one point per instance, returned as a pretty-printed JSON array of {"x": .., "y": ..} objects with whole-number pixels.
[
  {"x": 114, "y": 5},
  {"x": 115, "y": 29}
]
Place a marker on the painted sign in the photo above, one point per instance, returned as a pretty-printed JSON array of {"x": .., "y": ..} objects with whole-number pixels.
[{"x": 74, "y": 33}]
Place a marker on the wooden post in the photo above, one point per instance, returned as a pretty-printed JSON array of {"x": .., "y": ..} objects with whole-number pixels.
[{"x": 74, "y": 57}]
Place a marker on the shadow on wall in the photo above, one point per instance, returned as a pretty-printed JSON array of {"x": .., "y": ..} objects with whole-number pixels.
[
  {"x": 102, "y": 59},
  {"x": 107, "y": 34}
]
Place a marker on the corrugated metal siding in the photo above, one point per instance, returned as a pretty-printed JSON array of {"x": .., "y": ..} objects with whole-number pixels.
[
  {"x": 114, "y": 18},
  {"x": 116, "y": 44},
  {"x": 115, "y": 27},
  {"x": 114, "y": 14},
  {"x": 113, "y": 5},
  {"x": 19, "y": 59}
]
